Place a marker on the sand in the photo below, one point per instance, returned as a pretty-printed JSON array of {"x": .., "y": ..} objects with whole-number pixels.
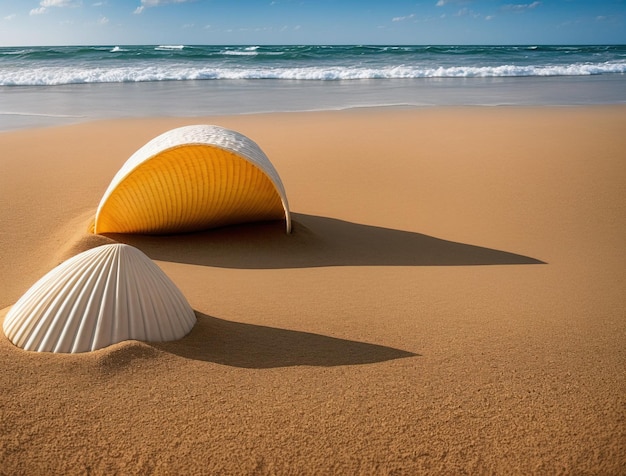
[{"x": 451, "y": 301}]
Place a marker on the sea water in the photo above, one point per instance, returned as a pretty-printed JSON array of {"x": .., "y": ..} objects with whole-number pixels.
[{"x": 56, "y": 85}]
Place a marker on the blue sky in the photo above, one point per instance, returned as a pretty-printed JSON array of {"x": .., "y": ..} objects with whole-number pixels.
[{"x": 114, "y": 22}]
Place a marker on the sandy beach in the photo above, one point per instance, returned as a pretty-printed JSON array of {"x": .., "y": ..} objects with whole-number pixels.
[{"x": 451, "y": 301}]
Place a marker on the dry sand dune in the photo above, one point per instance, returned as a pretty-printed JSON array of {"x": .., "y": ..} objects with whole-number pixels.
[{"x": 451, "y": 301}]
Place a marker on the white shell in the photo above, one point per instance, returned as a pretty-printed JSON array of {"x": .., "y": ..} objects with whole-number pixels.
[
  {"x": 100, "y": 297},
  {"x": 184, "y": 192}
]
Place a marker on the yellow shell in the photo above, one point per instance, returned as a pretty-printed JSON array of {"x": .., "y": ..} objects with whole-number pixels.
[{"x": 189, "y": 179}]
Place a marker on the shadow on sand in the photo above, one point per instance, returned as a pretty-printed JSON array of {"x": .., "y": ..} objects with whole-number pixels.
[
  {"x": 261, "y": 347},
  {"x": 315, "y": 241}
]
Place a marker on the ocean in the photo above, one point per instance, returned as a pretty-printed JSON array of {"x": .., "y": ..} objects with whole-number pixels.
[{"x": 42, "y": 86}]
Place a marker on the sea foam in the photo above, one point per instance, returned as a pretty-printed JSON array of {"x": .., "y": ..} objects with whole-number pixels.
[{"x": 58, "y": 75}]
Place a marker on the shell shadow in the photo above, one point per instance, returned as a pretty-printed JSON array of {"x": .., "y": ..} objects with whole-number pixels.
[
  {"x": 315, "y": 242},
  {"x": 260, "y": 347}
]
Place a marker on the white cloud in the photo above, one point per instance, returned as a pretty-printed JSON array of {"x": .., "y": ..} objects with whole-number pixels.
[
  {"x": 45, "y": 4},
  {"x": 156, "y": 3},
  {"x": 10, "y": 17},
  {"x": 465, "y": 12},
  {"x": 520, "y": 7},
  {"x": 441, "y": 3},
  {"x": 59, "y": 3},
  {"x": 407, "y": 17},
  {"x": 103, "y": 21},
  {"x": 608, "y": 19}
]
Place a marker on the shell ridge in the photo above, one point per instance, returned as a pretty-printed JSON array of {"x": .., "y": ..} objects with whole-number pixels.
[
  {"x": 144, "y": 289},
  {"x": 46, "y": 329},
  {"x": 106, "y": 313},
  {"x": 122, "y": 297},
  {"x": 73, "y": 329},
  {"x": 160, "y": 327}
]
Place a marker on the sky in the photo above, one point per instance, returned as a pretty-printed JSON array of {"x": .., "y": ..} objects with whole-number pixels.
[{"x": 174, "y": 22}]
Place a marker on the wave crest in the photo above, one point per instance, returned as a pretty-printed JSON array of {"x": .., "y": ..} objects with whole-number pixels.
[{"x": 51, "y": 76}]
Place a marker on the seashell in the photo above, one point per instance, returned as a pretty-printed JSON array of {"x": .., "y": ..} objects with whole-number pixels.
[
  {"x": 189, "y": 179},
  {"x": 100, "y": 297}
]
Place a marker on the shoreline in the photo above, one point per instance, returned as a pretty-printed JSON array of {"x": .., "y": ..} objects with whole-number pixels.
[
  {"x": 26, "y": 106},
  {"x": 373, "y": 109},
  {"x": 451, "y": 300}
]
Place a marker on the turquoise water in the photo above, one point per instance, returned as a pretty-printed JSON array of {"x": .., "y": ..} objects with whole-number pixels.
[
  {"x": 53, "y": 85},
  {"x": 45, "y": 66}
]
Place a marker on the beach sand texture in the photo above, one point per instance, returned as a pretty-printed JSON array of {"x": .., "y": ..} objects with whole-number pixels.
[{"x": 451, "y": 301}]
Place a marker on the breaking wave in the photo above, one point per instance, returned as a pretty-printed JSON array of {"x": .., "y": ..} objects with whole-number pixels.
[
  {"x": 58, "y": 75},
  {"x": 51, "y": 66}
]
